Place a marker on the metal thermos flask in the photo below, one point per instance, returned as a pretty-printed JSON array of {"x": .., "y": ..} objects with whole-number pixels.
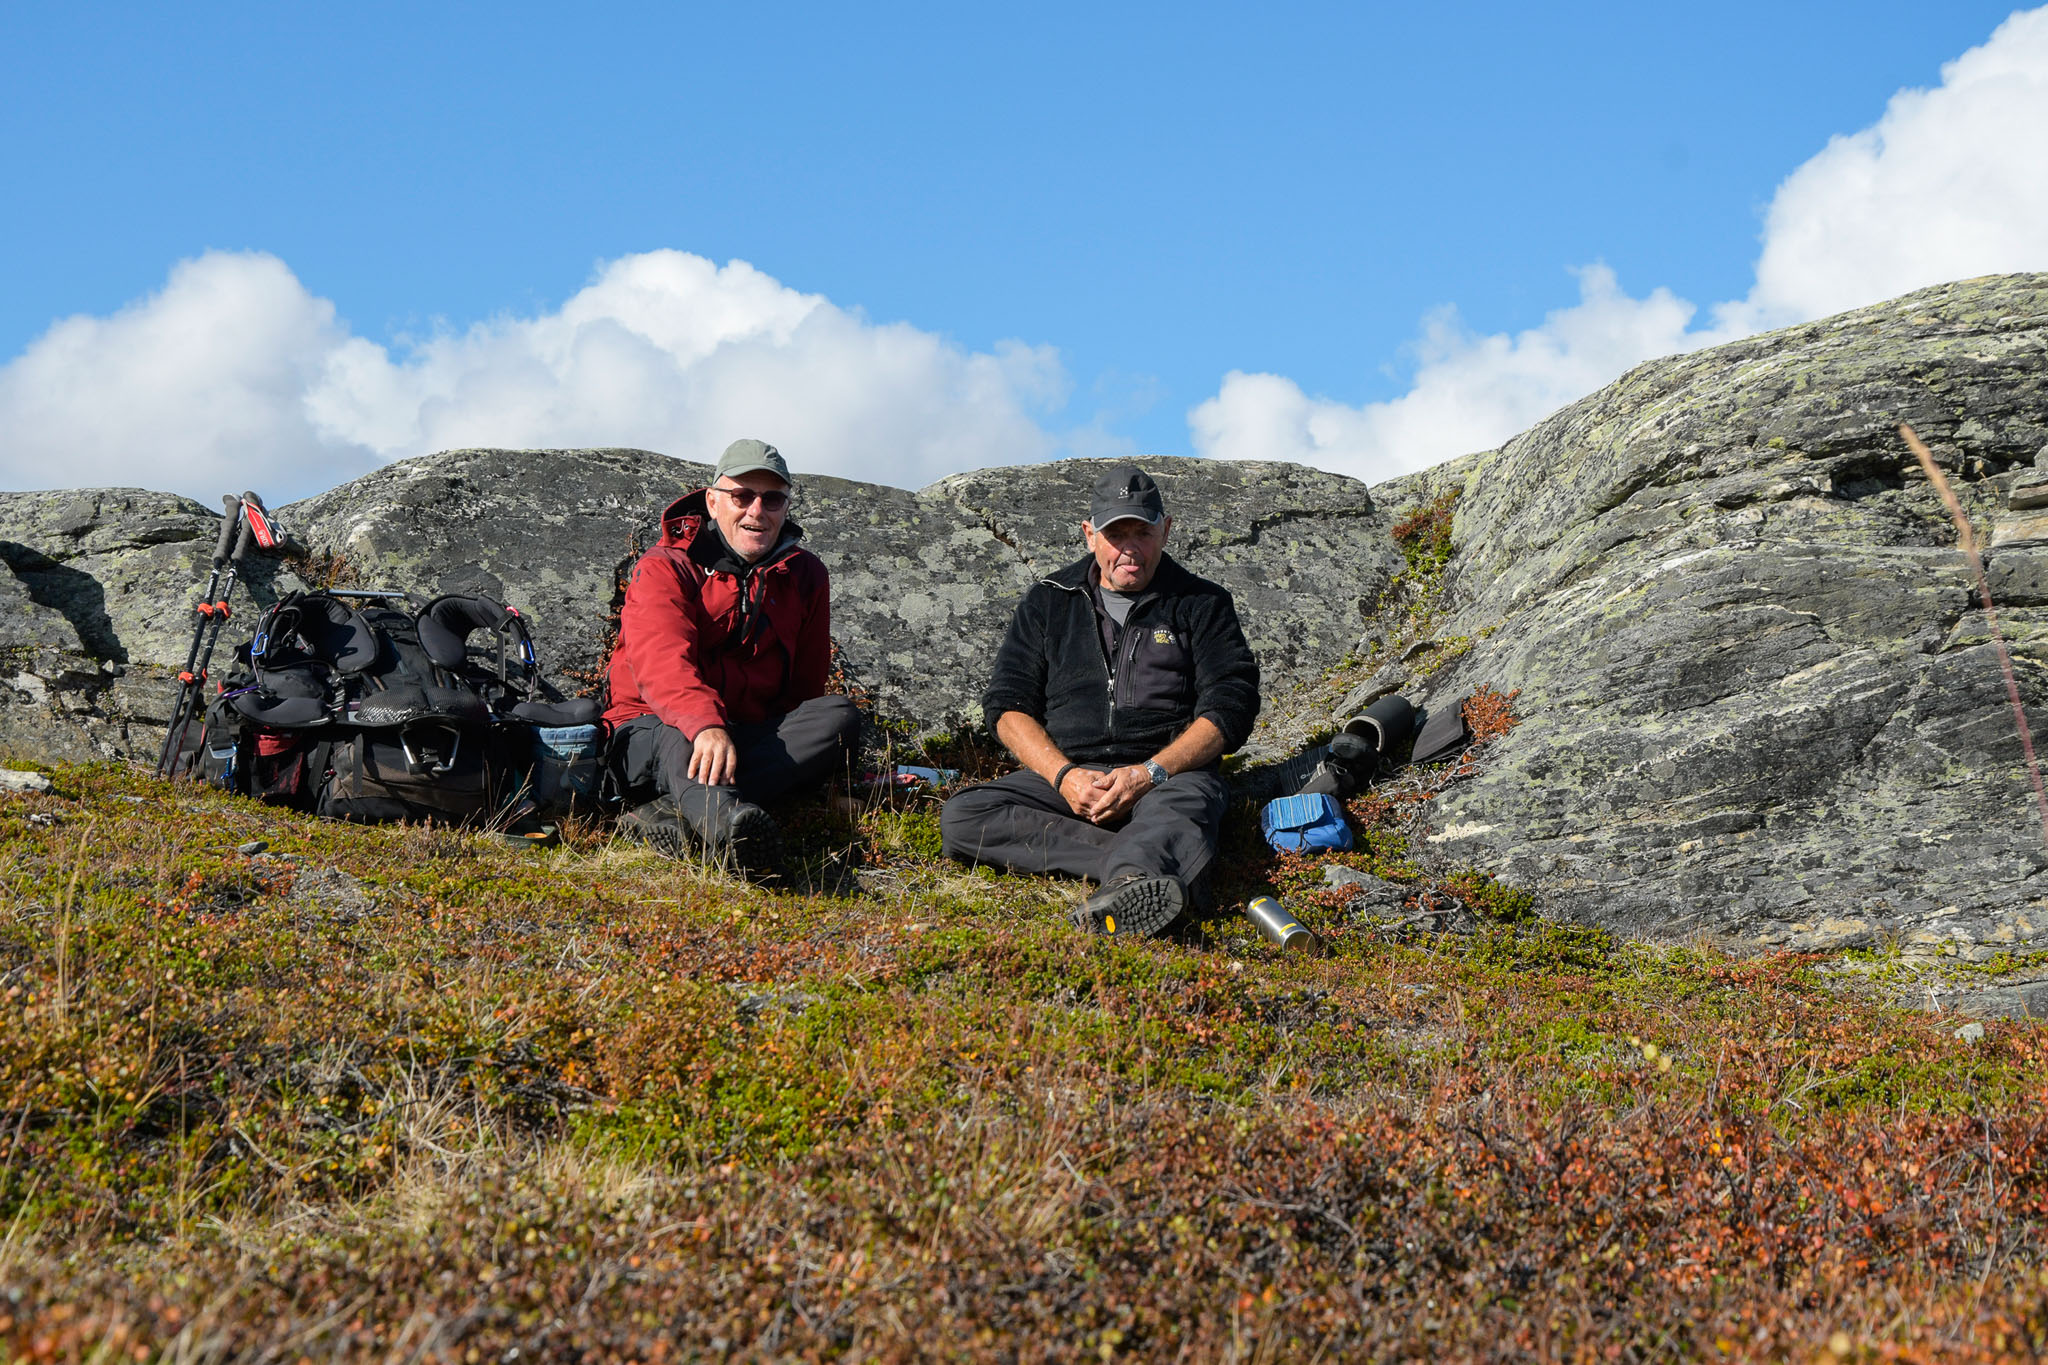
[{"x": 1277, "y": 924}]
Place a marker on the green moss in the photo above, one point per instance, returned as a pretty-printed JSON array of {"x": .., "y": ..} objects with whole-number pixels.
[
  {"x": 906, "y": 834},
  {"x": 1410, "y": 608},
  {"x": 1424, "y": 535},
  {"x": 2004, "y": 964},
  {"x": 1448, "y": 651},
  {"x": 1493, "y": 900},
  {"x": 1913, "y": 1080},
  {"x": 1540, "y": 945},
  {"x": 1375, "y": 850},
  {"x": 1889, "y": 964}
]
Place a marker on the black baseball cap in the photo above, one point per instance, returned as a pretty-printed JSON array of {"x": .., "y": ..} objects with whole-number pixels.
[{"x": 1125, "y": 491}]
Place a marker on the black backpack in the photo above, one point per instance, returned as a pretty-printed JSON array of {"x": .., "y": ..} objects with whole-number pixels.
[{"x": 381, "y": 706}]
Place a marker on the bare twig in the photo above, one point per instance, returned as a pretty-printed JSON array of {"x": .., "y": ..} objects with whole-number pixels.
[{"x": 1967, "y": 539}]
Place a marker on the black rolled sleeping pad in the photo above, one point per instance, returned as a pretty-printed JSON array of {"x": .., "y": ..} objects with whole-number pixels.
[
  {"x": 286, "y": 713},
  {"x": 446, "y": 624}
]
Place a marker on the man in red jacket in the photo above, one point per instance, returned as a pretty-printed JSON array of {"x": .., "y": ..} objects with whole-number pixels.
[{"x": 718, "y": 678}]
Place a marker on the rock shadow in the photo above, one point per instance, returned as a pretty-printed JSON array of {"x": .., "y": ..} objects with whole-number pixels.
[{"x": 73, "y": 593}]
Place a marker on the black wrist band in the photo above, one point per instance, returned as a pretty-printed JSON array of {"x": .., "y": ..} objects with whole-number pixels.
[{"x": 1061, "y": 775}]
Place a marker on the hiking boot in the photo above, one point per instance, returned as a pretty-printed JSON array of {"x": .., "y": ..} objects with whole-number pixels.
[
  {"x": 1132, "y": 907},
  {"x": 729, "y": 829},
  {"x": 1330, "y": 778},
  {"x": 1352, "y": 759},
  {"x": 656, "y": 824},
  {"x": 751, "y": 838}
]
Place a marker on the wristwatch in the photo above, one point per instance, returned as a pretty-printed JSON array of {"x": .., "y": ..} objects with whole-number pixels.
[{"x": 1156, "y": 773}]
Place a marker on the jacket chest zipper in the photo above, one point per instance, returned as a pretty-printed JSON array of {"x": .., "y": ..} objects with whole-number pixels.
[
  {"x": 1130, "y": 649},
  {"x": 1109, "y": 666},
  {"x": 1119, "y": 662},
  {"x": 1109, "y": 656}
]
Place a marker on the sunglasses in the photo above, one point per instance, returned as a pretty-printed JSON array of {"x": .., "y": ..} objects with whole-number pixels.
[{"x": 773, "y": 501}]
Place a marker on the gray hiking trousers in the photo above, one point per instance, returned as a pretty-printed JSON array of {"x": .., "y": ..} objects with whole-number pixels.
[
  {"x": 1021, "y": 823},
  {"x": 777, "y": 756}
]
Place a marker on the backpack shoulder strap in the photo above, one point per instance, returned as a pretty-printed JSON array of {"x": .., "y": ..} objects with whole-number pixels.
[
  {"x": 446, "y": 623},
  {"x": 314, "y": 626}
]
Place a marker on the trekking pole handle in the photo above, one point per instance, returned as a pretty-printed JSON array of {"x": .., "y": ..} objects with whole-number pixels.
[
  {"x": 260, "y": 524},
  {"x": 231, "y": 518},
  {"x": 244, "y": 541}
]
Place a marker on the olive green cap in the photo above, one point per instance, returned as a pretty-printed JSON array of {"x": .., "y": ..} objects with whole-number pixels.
[{"x": 747, "y": 456}]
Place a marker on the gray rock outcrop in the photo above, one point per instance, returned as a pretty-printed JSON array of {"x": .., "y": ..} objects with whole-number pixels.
[
  {"x": 923, "y": 582},
  {"x": 91, "y": 582},
  {"x": 110, "y": 572},
  {"x": 1758, "y": 700}
]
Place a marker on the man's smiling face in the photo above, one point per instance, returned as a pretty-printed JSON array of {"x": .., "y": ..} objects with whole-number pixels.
[
  {"x": 1127, "y": 551},
  {"x": 739, "y": 504}
]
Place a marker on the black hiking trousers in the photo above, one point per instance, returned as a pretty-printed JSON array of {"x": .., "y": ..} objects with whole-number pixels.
[
  {"x": 800, "y": 749},
  {"x": 1021, "y": 823}
]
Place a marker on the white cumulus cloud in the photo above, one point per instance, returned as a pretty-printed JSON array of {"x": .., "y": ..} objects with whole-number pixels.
[
  {"x": 1949, "y": 183},
  {"x": 1469, "y": 391},
  {"x": 200, "y": 388},
  {"x": 234, "y": 376}
]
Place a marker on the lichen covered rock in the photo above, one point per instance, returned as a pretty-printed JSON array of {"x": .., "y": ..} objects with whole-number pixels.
[{"x": 1758, "y": 697}]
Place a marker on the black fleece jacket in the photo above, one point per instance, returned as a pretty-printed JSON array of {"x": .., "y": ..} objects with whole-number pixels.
[{"x": 1180, "y": 656}]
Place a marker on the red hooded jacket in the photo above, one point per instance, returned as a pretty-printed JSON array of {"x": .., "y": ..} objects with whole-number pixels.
[{"x": 706, "y": 639}]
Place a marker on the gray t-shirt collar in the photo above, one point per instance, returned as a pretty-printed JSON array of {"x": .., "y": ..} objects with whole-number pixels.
[{"x": 1116, "y": 605}]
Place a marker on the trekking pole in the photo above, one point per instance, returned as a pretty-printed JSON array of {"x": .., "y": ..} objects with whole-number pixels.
[
  {"x": 259, "y": 529},
  {"x": 252, "y": 512},
  {"x": 187, "y": 684}
]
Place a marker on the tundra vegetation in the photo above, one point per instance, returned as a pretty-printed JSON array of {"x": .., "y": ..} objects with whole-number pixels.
[{"x": 416, "y": 1094}]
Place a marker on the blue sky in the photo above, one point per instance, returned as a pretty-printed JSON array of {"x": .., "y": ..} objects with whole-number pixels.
[{"x": 1161, "y": 194}]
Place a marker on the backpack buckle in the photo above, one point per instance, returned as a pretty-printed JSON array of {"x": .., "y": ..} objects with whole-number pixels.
[{"x": 426, "y": 759}]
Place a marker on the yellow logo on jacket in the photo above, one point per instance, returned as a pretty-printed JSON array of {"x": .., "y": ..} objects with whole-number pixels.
[{"x": 1162, "y": 637}]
